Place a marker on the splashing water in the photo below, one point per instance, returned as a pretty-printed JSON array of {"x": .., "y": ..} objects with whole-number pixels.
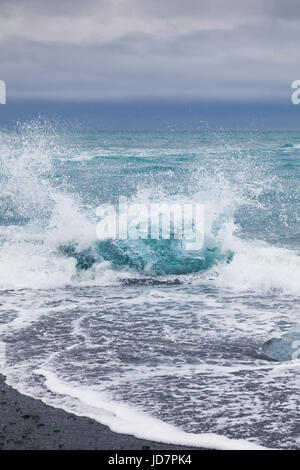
[{"x": 128, "y": 331}]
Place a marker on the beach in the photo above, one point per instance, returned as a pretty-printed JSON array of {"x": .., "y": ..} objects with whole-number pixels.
[
  {"x": 28, "y": 424},
  {"x": 149, "y": 227},
  {"x": 153, "y": 337}
]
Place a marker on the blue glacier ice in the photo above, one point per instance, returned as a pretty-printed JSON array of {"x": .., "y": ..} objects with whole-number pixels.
[{"x": 286, "y": 348}]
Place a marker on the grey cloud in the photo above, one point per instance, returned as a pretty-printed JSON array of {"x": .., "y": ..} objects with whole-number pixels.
[
  {"x": 54, "y": 7},
  {"x": 199, "y": 8},
  {"x": 129, "y": 48},
  {"x": 284, "y": 9}
]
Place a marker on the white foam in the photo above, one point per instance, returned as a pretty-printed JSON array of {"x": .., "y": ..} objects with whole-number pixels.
[
  {"x": 257, "y": 266},
  {"x": 30, "y": 256},
  {"x": 123, "y": 419}
]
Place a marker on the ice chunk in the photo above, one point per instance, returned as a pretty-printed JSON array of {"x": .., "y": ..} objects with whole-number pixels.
[{"x": 286, "y": 348}]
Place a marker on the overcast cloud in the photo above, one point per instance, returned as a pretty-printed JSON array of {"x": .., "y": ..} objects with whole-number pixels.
[{"x": 103, "y": 49}]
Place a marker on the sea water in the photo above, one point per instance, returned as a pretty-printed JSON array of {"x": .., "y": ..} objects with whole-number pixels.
[{"x": 139, "y": 334}]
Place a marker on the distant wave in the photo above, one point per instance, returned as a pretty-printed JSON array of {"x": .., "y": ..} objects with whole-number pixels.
[{"x": 288, "y": 145}]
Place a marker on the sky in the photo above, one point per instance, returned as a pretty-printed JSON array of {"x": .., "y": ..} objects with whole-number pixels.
[{"x": 112, "y": 50}]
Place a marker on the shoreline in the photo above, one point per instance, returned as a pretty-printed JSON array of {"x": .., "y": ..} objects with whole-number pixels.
[{"x": 30, "y": 424}]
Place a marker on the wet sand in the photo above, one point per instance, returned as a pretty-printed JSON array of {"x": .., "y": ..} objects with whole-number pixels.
[{"x": 29, "y": 424}]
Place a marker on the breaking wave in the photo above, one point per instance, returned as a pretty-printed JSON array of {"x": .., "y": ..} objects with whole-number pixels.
[{"x": 48, "y": 236}]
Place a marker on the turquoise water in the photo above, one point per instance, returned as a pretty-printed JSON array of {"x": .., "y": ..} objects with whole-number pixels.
[{"x": 92, "y": 326}]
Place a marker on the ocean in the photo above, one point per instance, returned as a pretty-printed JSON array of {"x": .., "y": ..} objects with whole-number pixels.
[{"x": 140, "y": 334}]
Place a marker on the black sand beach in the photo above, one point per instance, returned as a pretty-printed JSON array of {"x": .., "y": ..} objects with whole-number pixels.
[{"x": 28, "y": 424}]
